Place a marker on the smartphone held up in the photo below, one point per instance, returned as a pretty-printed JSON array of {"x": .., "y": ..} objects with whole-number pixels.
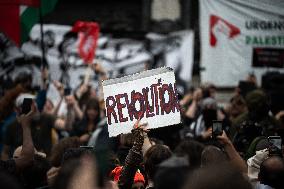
[
  {"x": 217, "y": 128},
  {"x": 26, "y": 105},
  {"x": 275, "y": 145}
]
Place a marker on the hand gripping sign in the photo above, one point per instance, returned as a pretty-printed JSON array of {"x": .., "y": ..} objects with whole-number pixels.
[{"x": 150, "y": 95}]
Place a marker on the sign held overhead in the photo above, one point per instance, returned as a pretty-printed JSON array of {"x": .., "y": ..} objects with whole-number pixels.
[{"x": 150, "y": 95}]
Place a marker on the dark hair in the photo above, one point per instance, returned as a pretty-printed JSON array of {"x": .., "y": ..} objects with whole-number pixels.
[
  {"x": 35, "y": 175},
  {"x": 222, "y": 176},
  {"x": 74, "y": 153},
  {"x": 207, "y": 90},
  {"x": 172, "y": 173},
  {"x": 42, "y": 136},
  {"x": 8, "y": 181},
  {"x": 271, "y": 172},
  {"x": 65, "y": 174},
  {"x": 153, "y": 157},
  {"x": 93, "y": 103},
  {"x": 192, "y": 149},
  {"x": 23, "y": 77},
  {"x": 59, "y": 149},
  {"x": 258, "y": 103},
  {"x": 168, "y": 178},
  {"x": 212, "y": 155}
]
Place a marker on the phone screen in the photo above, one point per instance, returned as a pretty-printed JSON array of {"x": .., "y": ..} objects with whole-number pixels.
[
  {"x": 217, "y": 128},
  {"x": 275, "y": 141},
  {"x": 26, "y": 106}
]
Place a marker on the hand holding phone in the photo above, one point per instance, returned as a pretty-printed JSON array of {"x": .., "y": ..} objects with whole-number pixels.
[
  {"x": 28, "y": 111},
  {"x": 217, "y": 128},
  {"x": 26, "y": 105},
  {"x": 275, "y": 145}
]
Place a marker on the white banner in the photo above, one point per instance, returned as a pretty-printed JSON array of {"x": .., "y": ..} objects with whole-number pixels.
[
  {"x": 239, "y": 37},
  {"x": 150, "y": 95}
]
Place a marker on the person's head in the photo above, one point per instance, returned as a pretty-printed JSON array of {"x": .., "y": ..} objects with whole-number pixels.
[
  {"x": 252, "y": 78},
  {"x": 192, "y": 149},
  {"x": 220, "y": 176},
  {"x": 113, "y": 161},
  {"x": 209, "y": 111},
  {"x": 257, "y": 103},
  {"x": 208, "y": 90},
  {"x": 65, "y": 174},
  {"x": 212, "y": 155},
  {"x": 59, "y": 149},
  {"x": 271, "y": 172},
  {"x": 92, "y": 111},
  {"x": 25, "y": 79},
  {"x": 238, "y": 106},
  {"x": 35, "y": 175},
  {"x": 153, "y": 157},
  {"x": 172, "y": 173},
  {"x": 75, "y": 153}
]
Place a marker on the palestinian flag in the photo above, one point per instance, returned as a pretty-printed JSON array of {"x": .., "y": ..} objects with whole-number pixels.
[{"x": 17, "y": 17}]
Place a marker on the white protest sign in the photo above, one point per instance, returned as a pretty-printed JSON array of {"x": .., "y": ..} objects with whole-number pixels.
[
  {"x": 239, "y": 37},
  {"x": 150, "y": 95}
]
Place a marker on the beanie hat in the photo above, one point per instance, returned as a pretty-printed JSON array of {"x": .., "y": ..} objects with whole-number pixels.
[{"x": 116, "y": 172}]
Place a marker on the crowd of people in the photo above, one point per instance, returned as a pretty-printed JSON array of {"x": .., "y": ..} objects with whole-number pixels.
[{"x": 65, "y": 143}]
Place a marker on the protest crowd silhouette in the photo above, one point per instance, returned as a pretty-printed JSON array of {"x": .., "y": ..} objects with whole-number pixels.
[
  {"x": 55, "y": 147},
  {"x": 57, "y": 122}
]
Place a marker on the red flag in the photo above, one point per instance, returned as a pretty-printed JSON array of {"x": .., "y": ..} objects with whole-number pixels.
[
  {"x": 10, "y": 17},
  {"x": 9, "y": 22},
  {"x": 30, "y": 3},
  {"x": 88, "y": 36}
]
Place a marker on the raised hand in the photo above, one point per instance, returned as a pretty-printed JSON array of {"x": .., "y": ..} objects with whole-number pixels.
[
  {"x": 25, "y": 119},
  {"x": 223, "y": 139},
  {"x": 59, "y": 86}
]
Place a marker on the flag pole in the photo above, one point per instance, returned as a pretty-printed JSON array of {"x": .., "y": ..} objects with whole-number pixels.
[{"x": 44, "y": 63}]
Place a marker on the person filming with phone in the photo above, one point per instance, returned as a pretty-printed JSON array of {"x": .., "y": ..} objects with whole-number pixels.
[
  {"x": 26, "y": 109},
  {"x": 13, "y": 135}
]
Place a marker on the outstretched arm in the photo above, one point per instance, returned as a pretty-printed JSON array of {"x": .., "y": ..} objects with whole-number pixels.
[
  {"x": 27, "y": 154},
  {"x": 234, "y": 156},
  {"x": 133, "y": 159}
]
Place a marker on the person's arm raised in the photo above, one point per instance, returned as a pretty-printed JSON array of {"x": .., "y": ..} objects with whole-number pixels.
[
  {"x": 234, "y": 156},
  {"x": 191, "y": 111},
  {"x": 60, "y": 89},
  {"x": 73, "y": 111},
  {"x": 27, "y": 154},
  {"x": 133, "y": 158}
]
